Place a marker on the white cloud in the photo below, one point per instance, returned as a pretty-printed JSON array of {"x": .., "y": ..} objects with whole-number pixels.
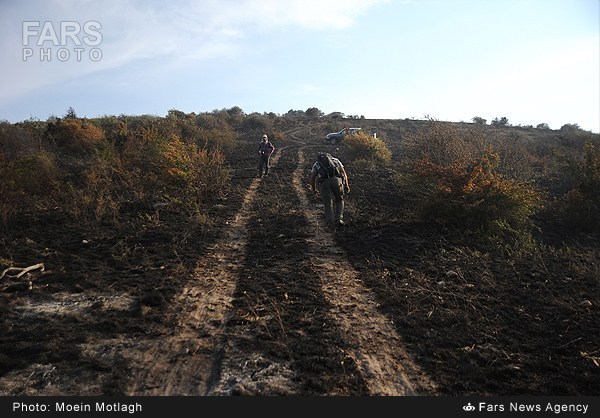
[{"x": 132, "y": 30}]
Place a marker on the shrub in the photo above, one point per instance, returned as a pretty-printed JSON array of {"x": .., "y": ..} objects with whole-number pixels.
[
  {"x": 580, "y": 206},
  {"x": 471, "y": 194},
  {"x": 516, "y": 158},
  {"x": 570, "y": 127},
  {"x": 314, "y": 112},
  {"x": 191, "y": 175},
  {"x": 588, "y": 173},
  {"x": 443, "y": 143},
  {"x": 170, "y": 170},
  {"x": 115, "y": 129},
  {"x": 255, "y": 125},
  {"x": 15, "y": 140},
  {"x": 28, "y": 184},
  {"x": 74, "y": 136},
  {"x": 503, "y": 121},
  {"x": 214, "y": 133},
  {"x": 150, "y": 170},
  {"x": 144, "y": 167},
  {"x": 361, "y": 146}
]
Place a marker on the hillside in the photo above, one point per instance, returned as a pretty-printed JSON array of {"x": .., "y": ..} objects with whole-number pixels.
[{"x": 219, "y": 282}]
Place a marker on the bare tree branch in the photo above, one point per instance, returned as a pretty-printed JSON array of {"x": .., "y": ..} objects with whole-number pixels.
[{"x": 21, "y": 270}]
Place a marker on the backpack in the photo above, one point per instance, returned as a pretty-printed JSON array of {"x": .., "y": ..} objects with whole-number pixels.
[{"x": 326, "y": 167}]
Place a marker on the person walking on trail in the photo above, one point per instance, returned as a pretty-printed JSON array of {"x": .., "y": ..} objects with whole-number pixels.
[
  {"x": 265, "y": 150},
  {"x": 329, "y": 180}
]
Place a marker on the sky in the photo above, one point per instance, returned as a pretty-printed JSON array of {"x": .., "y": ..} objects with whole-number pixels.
[{"x": 531, "y": 61}]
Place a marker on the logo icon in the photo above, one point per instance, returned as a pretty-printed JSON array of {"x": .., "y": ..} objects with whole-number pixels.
[{"x": 468, "y": 407}]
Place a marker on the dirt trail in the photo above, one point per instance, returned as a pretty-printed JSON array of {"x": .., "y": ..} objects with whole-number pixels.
[
  {"x": 378, "y": 352},
  {"x": 208, "y": 353},
  {"x": 203, "y": 309}
]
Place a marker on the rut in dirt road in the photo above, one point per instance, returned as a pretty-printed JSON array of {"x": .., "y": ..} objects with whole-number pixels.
[
  {"x": 182, "y": 363},
  {"x": 377, "y": 348}
]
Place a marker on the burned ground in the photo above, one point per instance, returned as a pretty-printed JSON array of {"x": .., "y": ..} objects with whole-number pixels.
[{"x": 264, "y": 300}]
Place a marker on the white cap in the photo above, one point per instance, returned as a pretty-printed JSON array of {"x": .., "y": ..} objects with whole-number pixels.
[{"x": 264, "y": 136}]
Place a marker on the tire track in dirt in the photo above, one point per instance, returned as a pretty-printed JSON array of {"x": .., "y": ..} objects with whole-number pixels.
[
  {"x": 240, "y": 370},
  {"x": 184, "y": 362},
  {"x": 385, "y": 365}
]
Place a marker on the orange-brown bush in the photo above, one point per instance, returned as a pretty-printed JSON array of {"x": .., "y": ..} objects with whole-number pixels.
[
  {"x": 115, "y": 129},
  {"x": 360, "y": 146},
  {"x": 147, "y": 169},
  {"x": 458, "y": 178},
  {"x": 471, "y": 194},
  {"x": 28, "y": 183},
  {"x": 74, "y": 136},
  {"x": 101, "y": 191},
  {"x": 191, "y": 173},
  {"x": 168, "y": 170},
  {"x": 443, "y": 143}
]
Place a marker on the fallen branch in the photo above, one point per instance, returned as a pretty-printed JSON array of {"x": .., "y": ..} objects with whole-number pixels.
[
  {"x": 21, "y": 270},
  {"x": 588, "y": 356}
]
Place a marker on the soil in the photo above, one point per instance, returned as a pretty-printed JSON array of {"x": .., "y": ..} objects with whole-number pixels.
[{"x": 266, "y": 300}]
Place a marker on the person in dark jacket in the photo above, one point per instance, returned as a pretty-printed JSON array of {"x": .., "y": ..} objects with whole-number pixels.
[
  {"x": 265, "y": 150},
  {"x": 330, "y": 187}
]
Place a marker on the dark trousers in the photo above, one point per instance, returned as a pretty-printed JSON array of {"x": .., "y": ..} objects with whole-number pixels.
[
  {"x": 333, "y": 199},
  {"x": 263, "y": 164}
]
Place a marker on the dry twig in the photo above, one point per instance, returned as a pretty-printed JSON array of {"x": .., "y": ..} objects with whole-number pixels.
[{"x": 21, "y": 270}]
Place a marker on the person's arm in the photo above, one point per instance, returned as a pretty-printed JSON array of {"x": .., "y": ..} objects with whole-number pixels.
[
  {"x": 312, "y": 181},
  {"x": 345, "y": 180}
]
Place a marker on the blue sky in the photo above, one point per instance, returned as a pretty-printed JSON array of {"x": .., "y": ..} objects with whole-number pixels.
[{"x": 532, "y": 61}]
